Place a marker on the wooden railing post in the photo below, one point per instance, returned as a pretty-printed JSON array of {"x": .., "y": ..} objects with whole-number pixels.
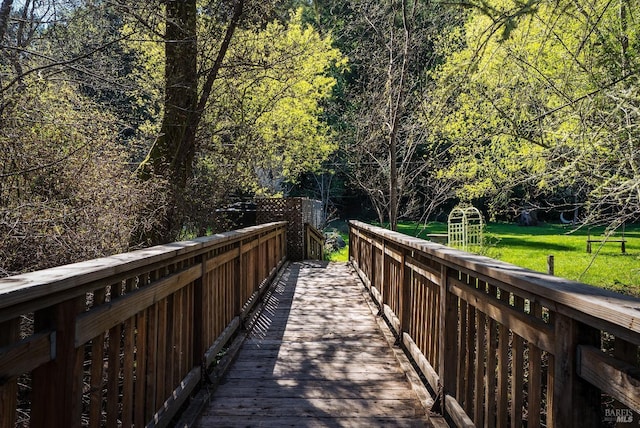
[
  {"x": 405, "y": 296},
  {"x": 373, "y": 276},
  {"x": 626, "y": 352},
  {"x": 352, "y": 242},
  {"x": 447, "y": 342},
  {"x": 199, "y": 342},
  {"x": 9, "y": 334},
  {"x": 384, "y": 276},
  {"x": 575, "y": 401},
  {"x": 239, "y": 279},
  {"x": 57, "y": 385}
]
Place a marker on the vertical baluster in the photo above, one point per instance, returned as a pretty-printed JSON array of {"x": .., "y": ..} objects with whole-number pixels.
[
  {"x": 490, "y": 385},
  {"x": 9, "y": 334},
  {"x": 128, "y": 366},
  {"x": 478, "y": 396},
  {"x": 448, "y": 336},
  {"x": 517, "y": 372},
  {"x": 57, "y": 385},
  {"x": 406, "y": 303},
  {"x": 534, "y": 389},
  {"x": 113, "y": 366},
  {"x": 165, "y": 332},
  {"x": 152, "y": 360},
  {"x": 462, "y": 352},
  {"x": 141, "y": 369},
  {"x": 502, "y": 411},
  {"x": 97, "y": 369},
  {"x": 469, "y": 374},
  {"x": 492, "y": 351}
]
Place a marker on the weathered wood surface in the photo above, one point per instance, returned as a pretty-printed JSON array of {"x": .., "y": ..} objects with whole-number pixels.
[
  {"x": 120, "y": 341},
  {"x": 316, "y": 357},
  {"x": 504, "y": 345}
]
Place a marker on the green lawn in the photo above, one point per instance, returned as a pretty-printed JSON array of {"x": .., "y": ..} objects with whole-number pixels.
[
  {"x": 341, "y": 255},
  {"x": 605, "y": 267},
  {"x": 529, "y": 246}
]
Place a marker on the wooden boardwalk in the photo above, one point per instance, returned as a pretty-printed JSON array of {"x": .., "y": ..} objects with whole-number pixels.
[{"x": 315, "y": 358}]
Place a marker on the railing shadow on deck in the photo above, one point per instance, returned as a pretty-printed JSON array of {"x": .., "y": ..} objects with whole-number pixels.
[
  {"x": 504, "y": 346},
  {"x": 257, "y": 378},
  {"x": 126, "y": 339}
]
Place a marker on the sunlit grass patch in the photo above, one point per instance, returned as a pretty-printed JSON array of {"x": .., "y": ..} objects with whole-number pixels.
[{"x": 530, "y": 246}]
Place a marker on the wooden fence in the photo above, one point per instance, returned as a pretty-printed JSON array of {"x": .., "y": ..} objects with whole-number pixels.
[
  {"x": 501, "y": 345},
  {"x": 125, "y": 339},
  {"x": 297, "y": 212}
]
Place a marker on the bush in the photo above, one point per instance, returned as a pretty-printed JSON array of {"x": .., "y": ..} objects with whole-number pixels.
[{"x": 67, "y": 191}]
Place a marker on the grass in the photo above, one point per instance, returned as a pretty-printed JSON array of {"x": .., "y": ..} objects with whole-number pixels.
[
  {"x": 341, "y": 255},
  {"x": 529, "y": 247},
  {"x": 605, "y": 267}
]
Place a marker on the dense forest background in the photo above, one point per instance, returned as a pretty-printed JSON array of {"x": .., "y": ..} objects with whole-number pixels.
[{"x": 124, "y": 124}]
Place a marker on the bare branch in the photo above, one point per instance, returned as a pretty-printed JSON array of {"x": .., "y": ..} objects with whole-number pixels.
[{"x": 65, "y": 63}]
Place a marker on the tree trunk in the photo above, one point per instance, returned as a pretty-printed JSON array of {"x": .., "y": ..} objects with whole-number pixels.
[
  {"x": 5, "y": 11},
  {"x": 393, "y": 183},
  {"x": 172, "y": 154},
  {"x": 396, "y": 110}
]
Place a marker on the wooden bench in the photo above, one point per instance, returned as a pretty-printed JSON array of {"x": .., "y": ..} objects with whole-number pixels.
[{"x": 622, "y": 241}]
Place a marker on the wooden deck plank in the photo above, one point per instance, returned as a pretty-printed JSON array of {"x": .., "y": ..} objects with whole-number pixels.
[
  {"x": 306, "y": 407},
  {"x": 288, "y": 357},
  {"x": 293, "y": 388},
  {"x": 309, "y": 422},
  {"x": 315, "y": 357}
]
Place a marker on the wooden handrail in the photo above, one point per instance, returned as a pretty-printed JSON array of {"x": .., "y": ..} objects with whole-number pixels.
[
  {"x": 501, "y": 343},
  {"x": 313, "y": 243},
  {"x": 128, "y": 338}
]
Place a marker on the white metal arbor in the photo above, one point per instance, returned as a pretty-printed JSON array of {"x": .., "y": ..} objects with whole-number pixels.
[{"x": 465, "y": 227}]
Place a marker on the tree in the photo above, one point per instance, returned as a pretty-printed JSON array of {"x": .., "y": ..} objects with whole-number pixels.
[
  {"x": 5, "y": 12},
  {"x": 172, "y": 154},
  {"x": 542, "y": 113},
  {"x": 66, "y": 189},
  {"x": 390, "y": 46},
  {"x": 257, "y": 119},
  {"x": 136, "y": 79},
  {"x": 264, "y": 127}
]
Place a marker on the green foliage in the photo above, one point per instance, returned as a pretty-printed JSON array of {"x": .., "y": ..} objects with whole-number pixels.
[
  {"x": 262, "y": 125},
  {"x": 341, "y": 255},
  {"x": 66, "y": 192},
  {"x": 535, "y": 103},
  {"x": 331, "y": 252},
  {"x": 265, "y": 122},
  {"x": 147, "y": 74}
]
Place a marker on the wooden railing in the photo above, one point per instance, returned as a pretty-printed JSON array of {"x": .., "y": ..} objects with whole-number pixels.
[
  {"x": 124, "y": 340},
  {"x": 501, "y": 344},
  {"x": 313, "y": 243}
]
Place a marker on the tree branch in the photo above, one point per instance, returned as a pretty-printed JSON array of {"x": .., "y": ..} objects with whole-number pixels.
[
  {"x": 55, "y": 63},
  {"x": 47, "y": 165},
  {"x": 238, "y": 11}
]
